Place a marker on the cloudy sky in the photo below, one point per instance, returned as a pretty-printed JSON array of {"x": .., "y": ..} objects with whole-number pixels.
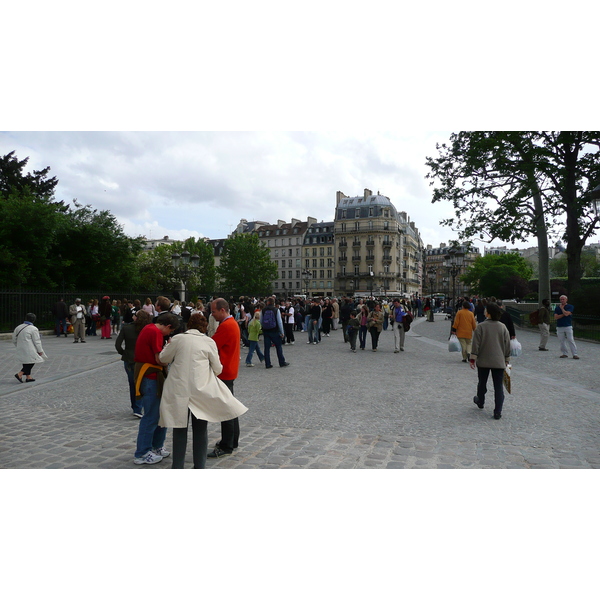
[{"x": 185, "y": 184}]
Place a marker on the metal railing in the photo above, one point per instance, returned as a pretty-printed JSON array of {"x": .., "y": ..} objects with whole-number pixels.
[
  {"x": 585, "y": 327},
  {"x": 15, "y": 304}
]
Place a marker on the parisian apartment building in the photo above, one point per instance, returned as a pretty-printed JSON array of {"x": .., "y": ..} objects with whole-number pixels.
[{"x": 369, "y": 248}]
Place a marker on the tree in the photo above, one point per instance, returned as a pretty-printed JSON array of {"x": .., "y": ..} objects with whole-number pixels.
[
  {"x": 512, "y": 185},
  {"x": 156, "y": 271},
  {"x": 246, "y": 267},
  {"x": 14, "y": 181},
  {"x": 93, "y": 250},
  {"x": 494, "y": 275}
]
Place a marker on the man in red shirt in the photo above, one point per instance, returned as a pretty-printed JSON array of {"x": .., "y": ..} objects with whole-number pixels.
[
  {"x": 227, "y": 338},
  {"x": 149, "y": 376}
]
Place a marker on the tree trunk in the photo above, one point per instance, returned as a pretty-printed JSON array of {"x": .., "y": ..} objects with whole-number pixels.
[{"x": 543, "y": 257}]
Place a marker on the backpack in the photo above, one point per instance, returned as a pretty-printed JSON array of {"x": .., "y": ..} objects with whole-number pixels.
[
  {"x": 407, "y": 320},
  {"x": 534, "y": 317},
  {"x": 269, "y": 318}
]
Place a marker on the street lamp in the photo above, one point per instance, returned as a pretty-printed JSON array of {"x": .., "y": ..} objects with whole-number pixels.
[
  {"x": 185, "y": 266},
  {"x": 454, "y": 261},
  {"x": 307, "y": 277},
  {"x": 432, "y": 273},
  {"x": 595, "y": 194}
]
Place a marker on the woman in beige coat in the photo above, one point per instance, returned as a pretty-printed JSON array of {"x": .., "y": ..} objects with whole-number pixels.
[
  {"x": 192, "y": 387},
  {"x": 26, "y": 337}
]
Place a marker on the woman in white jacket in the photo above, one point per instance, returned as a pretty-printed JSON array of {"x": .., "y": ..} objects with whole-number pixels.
[
  {"x": 192, "y": 387},
  {"x": 26, "y": 337}
]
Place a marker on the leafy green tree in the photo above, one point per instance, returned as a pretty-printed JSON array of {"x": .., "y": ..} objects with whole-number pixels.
[
  {"x": 156, "y": 271},
  {"x": 492, "y": 275},
  {"x": 512, "y": 185},
  {"x": 246, "y": 267},
  {"x": 14, "y": 181},
  {"x": 92, "y": 250}
]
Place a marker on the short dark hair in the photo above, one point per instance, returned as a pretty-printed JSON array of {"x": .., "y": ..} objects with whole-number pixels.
[
  {"x": 494, "y": 311},
  {"x": 30, "y": 317},
  {"x": 163, "y": 303},
  {"x": 546, "y": 302},
  {"x": 168, "y": 319},
  {"x": 465, "y": 304},
  {"x": 221, "y": 303}
]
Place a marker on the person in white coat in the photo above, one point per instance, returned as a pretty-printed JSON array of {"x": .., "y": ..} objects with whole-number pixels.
[
  {"x": 192, "y": 387},
  {"x": 26, "y": 337}
]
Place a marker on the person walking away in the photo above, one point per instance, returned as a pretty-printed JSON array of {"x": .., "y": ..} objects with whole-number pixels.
[
  {"x": 327, "y": 317},
  {"x": 60, "y": 312},
  {"x": 336, "y": 314},
  {"x": 227, "y": 339},
  {"x": 507, "y": 320},
  {"x": 564, "y": 328},
  {"x": 129, "y": 334},
  {"x": 254, "y": 332},
  {"x": 272, "y": 327},
  {"x": 464, "y": 325},
  {"x": 375, "y": 323},
  {"x": 479, "y": 311},
  {"x": 544, "y": 324},
  {"x": 490, "y": 353},
  {"x": 26, "y": 337},
  {"x": 105, "y": 312},
  {"x": 149, "y": 379},
  {"x": 345, "y": 311},
  {"x": 398, "y": 313},
  {"x": 193, "y": 388},
  {"x": 78, "y": 314}
]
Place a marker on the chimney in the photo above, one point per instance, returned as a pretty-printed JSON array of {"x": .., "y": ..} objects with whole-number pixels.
[
  {"x": 339, "y": 196},
  {"x": 367, "y": 193},
  {"x": 310, "y": 221},
  {"x": 294, "y": 221},
  {"x": 280, "y": 223}
]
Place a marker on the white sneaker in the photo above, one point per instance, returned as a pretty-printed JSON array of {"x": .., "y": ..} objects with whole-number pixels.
[
  {"x": 138, "y": 415},
  {"x": 162, "y": 451},
  {"x": 148, "y": 459},
  {"x": 249, "y": 365}
]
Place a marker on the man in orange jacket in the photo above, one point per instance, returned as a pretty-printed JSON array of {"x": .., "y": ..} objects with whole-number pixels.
[
  {"x": 227, "y": 338},
  {"x": 464, "y": 325}
]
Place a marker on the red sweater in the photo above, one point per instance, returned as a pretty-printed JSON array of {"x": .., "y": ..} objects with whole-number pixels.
[{"x": 227, "y": 338}]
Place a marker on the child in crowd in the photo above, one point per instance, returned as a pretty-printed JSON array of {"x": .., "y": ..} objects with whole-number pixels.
[{"x": 352, "y": 329}]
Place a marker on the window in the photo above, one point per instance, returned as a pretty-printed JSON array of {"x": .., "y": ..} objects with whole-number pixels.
[
  {"x": 297, "y": 285},
  {"x": 289, "y": 262},
  {"x": 343, "y": 214},
  {"x": 321, "y": 262},
  {"x": 289, "y": 274},
  {"x": 290, "y": 252},
  {"x": 307, "y": 252},
  {"x": 307, "y": 264},
  {"x": 282, "y": 274},
  {"x": 314, "y": 253},
  {"x": 298, "y": 274},
  {"x": 276, "y": 285},
  {"x": 322, "y": 274},
  {"x": 321, "y": 251},
  {"x": 298, "y": 262},
  {"x": 370, "y": 226},
  {"x": 276, "y": 253},
  {"x": 329, "y": 251},
  {"x": 329, "y": 283},
  {"x": 329, "y": 275},
  {"x": 343, "y": 227},
  {"x": 370, "y": 211},
  {"x": 357, "y": 226},
  {"x": 357, "y": 270},
  {"x": 283, "y": 263},
  {"x": 386, "y": 225},
  {"x": 314, "y": 263}
]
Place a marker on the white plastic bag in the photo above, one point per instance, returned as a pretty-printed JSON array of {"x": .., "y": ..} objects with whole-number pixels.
[
  {"x": 515, "y": 348},
  {"x": 453, "y": 344}
]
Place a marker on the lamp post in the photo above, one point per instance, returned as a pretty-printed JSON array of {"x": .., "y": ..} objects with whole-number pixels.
[
  {"x": 432, "y": 273},
  {"x": 595, "y": 194},
  {"x": 185, "y": 266},
  {"x": 307, "y": 275},
  {"x": 453, "y": 261}
]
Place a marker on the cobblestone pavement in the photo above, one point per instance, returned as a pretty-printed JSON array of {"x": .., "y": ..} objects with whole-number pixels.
[{"x": 329, "y": 409}]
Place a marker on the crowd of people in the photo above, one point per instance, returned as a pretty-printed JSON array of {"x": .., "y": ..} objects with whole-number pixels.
[{"x": 199, "y": 346}]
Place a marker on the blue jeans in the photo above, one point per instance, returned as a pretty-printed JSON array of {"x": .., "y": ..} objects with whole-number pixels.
[
  {"x": 136, "y": 405},
  {"x": 61, "y": 323},
  {"x": 254, "y": 346},
  {"x": 497, "y": 377},
  {"x": 313, "y": 331},
  {"x": 275, "y": 338},
  {"x": 362, "y": 335},
  {"x": 150, "y": 435}
]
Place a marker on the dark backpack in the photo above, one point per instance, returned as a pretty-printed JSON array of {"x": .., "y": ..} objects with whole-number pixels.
[
  {"x": 407, "y": 320},
  {"x": 534, "y": 317},
  {"x": 269, "y": 318}
]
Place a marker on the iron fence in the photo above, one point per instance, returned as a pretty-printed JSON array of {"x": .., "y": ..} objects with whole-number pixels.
[
  {"x": 15, "y": 304},
  {"x": 585, "y": 327}
]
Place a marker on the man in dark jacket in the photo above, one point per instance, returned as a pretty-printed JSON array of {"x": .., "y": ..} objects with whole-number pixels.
[
  {"x": 60, "y": 312},
  {"x": 507, "y": 320}
]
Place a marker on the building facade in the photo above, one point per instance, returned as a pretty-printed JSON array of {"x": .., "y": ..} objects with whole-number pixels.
[
  {"x": 377, "y": 250},
  {"x": 318, "y": 260},
  {"x": 285, "y": 242},
  {"x": 438, "y": 276}
]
